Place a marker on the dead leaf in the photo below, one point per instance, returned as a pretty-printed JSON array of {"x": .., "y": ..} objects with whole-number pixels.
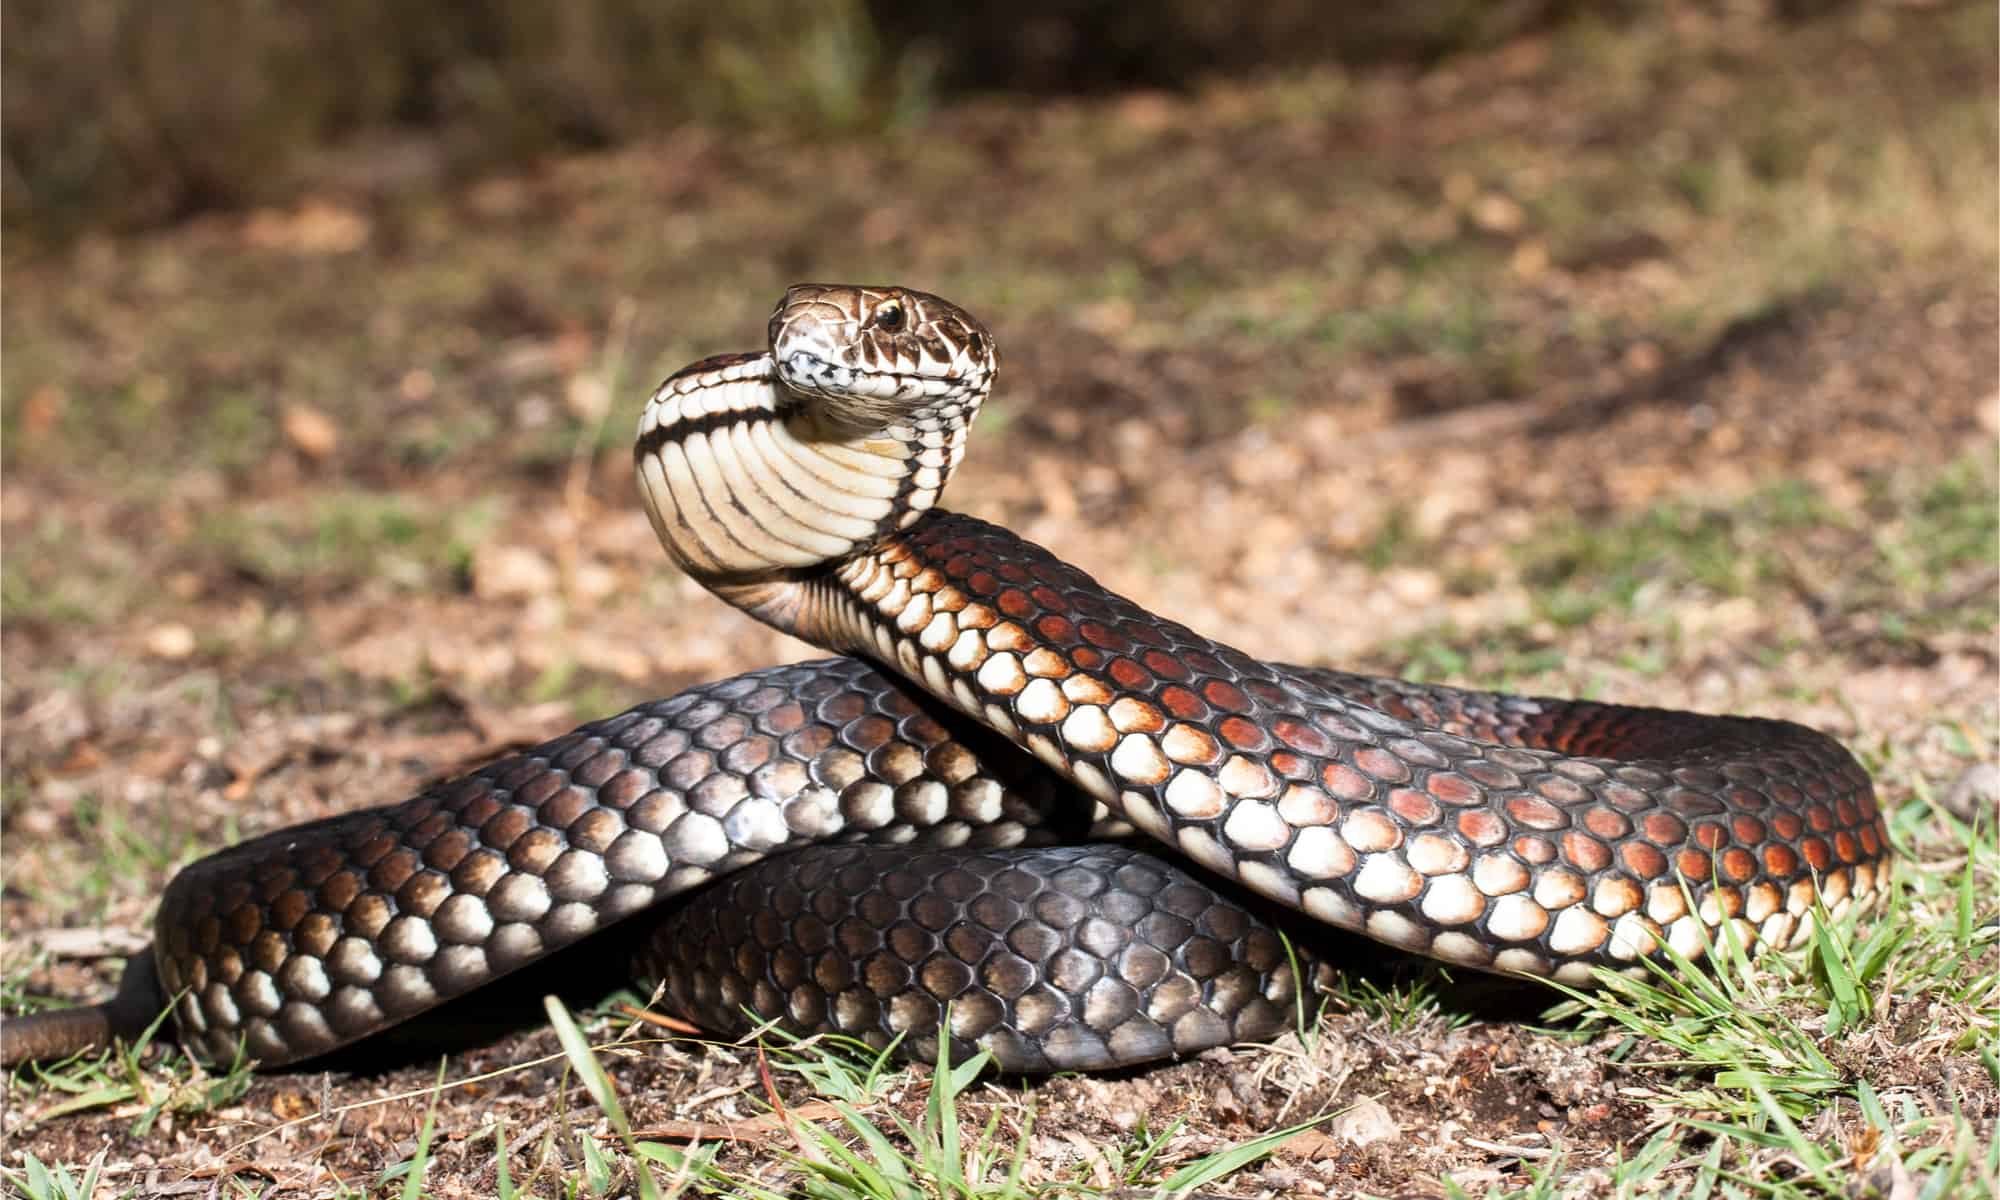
[
  {"x": 82, "y": 756},
  {"x": 756, "y": 1129},
  {"x": 42, "y": 409},
  {"x": 1311, "y": 1145}
]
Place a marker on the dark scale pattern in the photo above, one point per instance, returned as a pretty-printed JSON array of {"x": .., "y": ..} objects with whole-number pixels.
[
  {"x": 1507, "y": 833},
  {"x": 1066, "y": 958},
  {"x": 307, "y": 938}
]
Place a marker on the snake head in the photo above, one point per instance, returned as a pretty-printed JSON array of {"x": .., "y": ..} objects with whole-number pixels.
[{"x": 878, "y": 356}]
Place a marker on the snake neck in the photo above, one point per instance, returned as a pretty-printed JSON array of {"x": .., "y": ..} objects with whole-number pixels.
[{"x": 749, "y": 486}]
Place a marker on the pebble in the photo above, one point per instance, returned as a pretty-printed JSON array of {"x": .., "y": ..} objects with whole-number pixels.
[
  {"x": 1975, "y": 792},
  {"x": 172, "y": 641},
  {"x": 310, "y": 431},
  {"x": 512, "y": 572},
  {"x": 1366, "y": 1121}
]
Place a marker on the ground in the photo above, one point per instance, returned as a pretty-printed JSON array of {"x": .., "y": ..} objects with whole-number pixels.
[{"x": 1653, "y": 365}]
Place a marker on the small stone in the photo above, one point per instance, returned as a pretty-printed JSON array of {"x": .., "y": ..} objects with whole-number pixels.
[
  {"x": 417, "y": 385},
  {"x": 586, "y": 397},
  {"x": 592, "y": 581},
  {"x": 1366, "y": 1121},
  {"x": 1643, "y": 358},
  {"x": 310, "y": 431},
  {"x": 1496, "y": 213},
  {"x": 316, "y": 227},
  {"x": 1974, "y": 793},
  {"x": 512, "y": 572},
  {"x": 34, "y": 823},
  {"x": 172, "y": 641}
]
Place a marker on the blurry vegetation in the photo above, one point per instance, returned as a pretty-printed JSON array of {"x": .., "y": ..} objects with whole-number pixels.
[
  {"x": 1910, "y": 561},
  {"x": 1921, "y": 546},
  {"x": 129, "y": 112},
  {"x": 1602, "y": 214},
  {"x": 138, "y": 112},
  {"x": 345, "y": 539}
]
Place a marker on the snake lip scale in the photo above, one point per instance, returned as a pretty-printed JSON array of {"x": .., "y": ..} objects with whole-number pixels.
[{"x": 882, "y": 844}]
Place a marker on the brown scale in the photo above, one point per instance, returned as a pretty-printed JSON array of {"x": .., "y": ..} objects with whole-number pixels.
[{"x": 1607, "y": 808}]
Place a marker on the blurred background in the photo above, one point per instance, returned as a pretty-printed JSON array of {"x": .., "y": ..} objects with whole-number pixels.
[
  {"x": 121, "y": 112},
  {"x": 1640, "y": 350}
]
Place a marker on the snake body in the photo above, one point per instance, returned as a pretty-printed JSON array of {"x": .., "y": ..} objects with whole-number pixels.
[{"x": 887, "y": 854}]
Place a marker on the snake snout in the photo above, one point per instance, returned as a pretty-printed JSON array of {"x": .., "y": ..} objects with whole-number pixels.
[{"x": 894, "y": 344}]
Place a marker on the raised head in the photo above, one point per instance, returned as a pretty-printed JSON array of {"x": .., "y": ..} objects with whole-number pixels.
[
  {"x": 879, "y": 356},
  {"x": 845, "y": 429}
]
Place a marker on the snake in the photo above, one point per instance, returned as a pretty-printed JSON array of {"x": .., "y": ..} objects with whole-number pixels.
[{"x": 1015, "y": 813}]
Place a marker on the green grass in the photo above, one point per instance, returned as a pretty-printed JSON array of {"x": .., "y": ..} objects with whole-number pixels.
[
  {"x": 39, "y": 1182},
  {"x": 121, "y": 1076},
  {"x": 1759, "y": 185},
  {"x": 870, "y": 1151},
  {"x": 1644, "y": 564},
  {"x": 83, "y": 876},
  {"x": 1747, "y": 173},
  {"x": 1781, "y": 1075},
  {"x": 1914, "y": 559},
  {"x": 58, "y": 574},
  {"x": 1900, "y": 551},
  {"x": 343, "y": 539},
  {"x": 1401, "y": 1006}
]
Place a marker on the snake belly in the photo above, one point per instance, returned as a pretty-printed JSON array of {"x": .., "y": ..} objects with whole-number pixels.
[{"x": 877, "y": 833}]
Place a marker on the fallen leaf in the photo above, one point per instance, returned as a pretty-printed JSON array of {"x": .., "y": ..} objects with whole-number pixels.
[
  {"x": 1311, "y": 1145},
  {"x": 42, "y": 409}
]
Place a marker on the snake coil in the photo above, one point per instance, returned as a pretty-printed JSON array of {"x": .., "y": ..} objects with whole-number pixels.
[{"x": 881, "y": 832}]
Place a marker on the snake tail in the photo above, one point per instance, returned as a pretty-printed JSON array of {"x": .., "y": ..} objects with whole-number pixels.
[{"x": 59, "y": 1033}]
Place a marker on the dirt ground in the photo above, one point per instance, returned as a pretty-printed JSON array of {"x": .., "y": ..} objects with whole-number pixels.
[{"x": 1586, "y": 367}]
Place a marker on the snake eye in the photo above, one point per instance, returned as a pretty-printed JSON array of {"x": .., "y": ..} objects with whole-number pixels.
[{"x": 889, "y": 316}]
